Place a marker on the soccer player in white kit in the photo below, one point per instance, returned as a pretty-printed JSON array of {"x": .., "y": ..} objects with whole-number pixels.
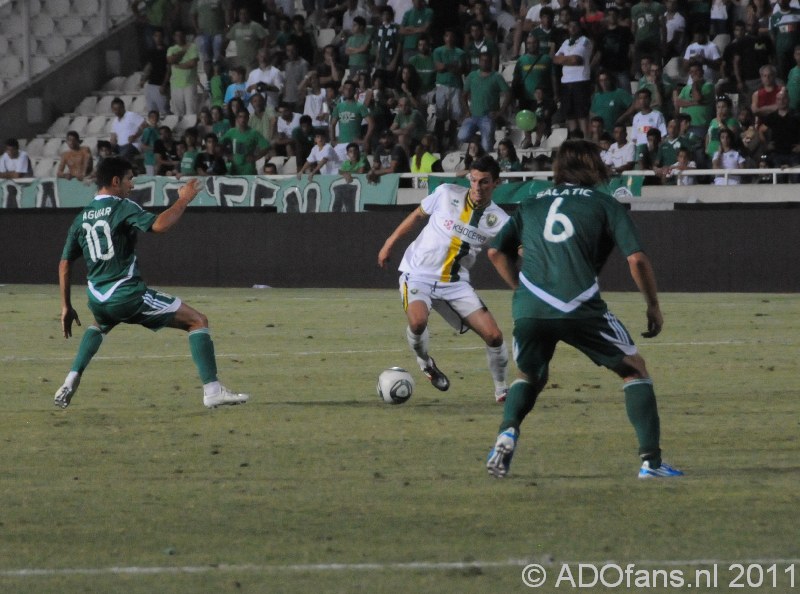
[{"x": 435, "y": 268}]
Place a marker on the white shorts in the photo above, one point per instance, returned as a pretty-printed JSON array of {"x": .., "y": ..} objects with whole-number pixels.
[{"x": 453, "y": 301}]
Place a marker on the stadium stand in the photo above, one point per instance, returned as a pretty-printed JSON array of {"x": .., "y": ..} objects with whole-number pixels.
[{"x": 37, "y": 37}]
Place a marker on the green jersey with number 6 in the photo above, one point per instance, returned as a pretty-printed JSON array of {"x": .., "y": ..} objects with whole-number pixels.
[
  {"x": 566, "y": 233},
  {"x": 105, "y": 233}
]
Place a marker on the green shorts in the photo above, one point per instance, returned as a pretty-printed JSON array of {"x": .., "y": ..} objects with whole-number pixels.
[
  {"x": 151, "y": 309},
  {"x": 603, "y": 339}
]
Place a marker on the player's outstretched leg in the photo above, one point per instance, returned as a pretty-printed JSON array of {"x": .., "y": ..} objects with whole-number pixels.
[
  {"x": 497, "y": 356},
  {"x": 214, "y": 393},
  {"x": 90, "y": 343},
  {"x": 640, "y": 404},
  {"x": 419, "y": 344},
  {"x": 519, "y": 402}
]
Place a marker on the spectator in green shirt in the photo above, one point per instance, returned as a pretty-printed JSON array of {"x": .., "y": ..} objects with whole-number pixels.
[
  {"x": 357, "y": 47},
  {"x": 697, "y": 100},
  {"x": 409, "y": 125},
  {"x": 243, "y": 146},
  {"x": 488, "y": 96},
  {"x": 416, "y": 21},
  {"x": 608, "y": 101}
]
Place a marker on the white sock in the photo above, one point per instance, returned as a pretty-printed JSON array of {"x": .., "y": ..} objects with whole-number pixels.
[
  {"x": 419, "y": 344},
  {"x": 211, "y": 388},
  {"x": 498, "y": 365},
  {"x": 72, "y": 380}
]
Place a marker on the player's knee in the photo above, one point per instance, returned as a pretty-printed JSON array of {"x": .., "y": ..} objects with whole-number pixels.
[
  {"x": 417, "y": 326},
  {"x": 494, "y": 338},
  {"x": 631, "y": 368},
  {"x": 198, "y": 321}
]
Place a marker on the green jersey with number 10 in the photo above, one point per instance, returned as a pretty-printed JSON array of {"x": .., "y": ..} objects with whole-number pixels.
[
  {"x": 567, "y": 233},
  {"x": 105, "y": 233}
]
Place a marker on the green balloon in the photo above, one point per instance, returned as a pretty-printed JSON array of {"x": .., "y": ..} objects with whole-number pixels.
[{"x": 526, "y": 120}]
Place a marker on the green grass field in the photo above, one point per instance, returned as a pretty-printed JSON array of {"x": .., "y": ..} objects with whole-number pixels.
[{"x": 317, "y": 486}]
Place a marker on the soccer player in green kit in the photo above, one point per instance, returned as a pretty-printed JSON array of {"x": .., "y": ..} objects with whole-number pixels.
[
  {"x": 105, "y": 234},
  {"x": 565, "y": 235}
]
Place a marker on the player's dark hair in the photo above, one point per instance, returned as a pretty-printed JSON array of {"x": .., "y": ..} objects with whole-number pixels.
[
  {"x": 112, "y": 167},
  {"x": 578, "y": 162},
  {"x": 486, "y": 164},
  {"x": 12, "y": 142}
]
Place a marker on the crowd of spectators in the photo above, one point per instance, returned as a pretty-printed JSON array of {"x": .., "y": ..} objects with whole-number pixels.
[{"x": 406, "y": 82}]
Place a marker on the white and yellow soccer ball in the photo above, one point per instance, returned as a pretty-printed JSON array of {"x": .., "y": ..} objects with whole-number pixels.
[{"x": 395, "y": 385}]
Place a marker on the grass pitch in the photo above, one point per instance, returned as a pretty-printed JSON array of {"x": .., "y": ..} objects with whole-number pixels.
[{"x": 317, "y": 486}]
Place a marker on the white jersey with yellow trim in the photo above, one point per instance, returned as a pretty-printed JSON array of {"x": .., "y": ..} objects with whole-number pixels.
[{"x": 455, "y": 234}]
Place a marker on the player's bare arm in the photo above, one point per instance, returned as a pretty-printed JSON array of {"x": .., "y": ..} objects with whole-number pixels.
[
  {"x": 68, "y": 313},
  {"x": 409, "y": 224},
  {"x": 645, "y": 279},
  {"x": 172, "y": 215},
  {"x": 505, "y": 265}
]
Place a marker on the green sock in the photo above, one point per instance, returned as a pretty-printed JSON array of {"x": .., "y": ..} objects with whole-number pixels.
[
  {"x": 90, "y": 343},
  {"x": 640, "y": 403},
  {"x": 519, "y": 402},
  {"x": 202, "y": 349}
]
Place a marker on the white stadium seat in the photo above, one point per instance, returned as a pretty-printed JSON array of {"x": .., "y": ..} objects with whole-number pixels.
[
  {"x": 56, "y": 8},
  {"x": 54, "y": 46},
  {"x": 91, "y": 142},
  {"x": 289, "y": 166},
  {"x": 557, "y": 136},
  {"x": 10, "y": 67},
  {"x": 34, "y": 7},
  {"x": 721, "y": 41},
  {"x": 79, "y": 41},
  {"x": 453, "y": 161},
  {"x": 45, "y": 167},
  {"x": 35, "y": 147},
  {"x": 118, "y": 9},
  {"x": 88, "y": 106},
  {"x": 98, "y": 125},
  {"x": 114, "y": 85},
  {"x": 39, "y": 64},
  {"x": 185, "y": 123},
  {"x": 507, "y": 71},
  {"x": 278, "y": 161},
  {"x": 673, "y": 68},
  {"x": 42, "y": 25},
  {"x": 86, "y": 7},
  {"x": 69, "y": 26},
  {"x": 60, "y": 127},
  {"x": 138, "y": 104},
  {"x": 325, "y": 37},
  {"x": 79, "y": 124},
  {"x": 103, "y": 105},
  {"x": 131, "y": 85},
  {"x": 53, "y": 147},
  {"x": 170, "y": 121},
  {"x": 13, "y": 25}
]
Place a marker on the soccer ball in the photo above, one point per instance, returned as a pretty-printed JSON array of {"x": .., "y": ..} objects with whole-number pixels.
[{"x": 395, "y": 385}]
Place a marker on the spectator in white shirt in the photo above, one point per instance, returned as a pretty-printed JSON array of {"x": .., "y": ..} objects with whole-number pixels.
[
  {"x": 322, "y": 159},
  {"x": 574, "y": 56},
  {"x": 266, "y": 79},
  {"x": 621, "y": 154},
  {"x": 126, "y": 129},
  {"x": 285, "y": 124},
  {"x": 14, "y": 162},
  {"x": 727, "y": 157},
  {"x": 646, "y": 118},
  {"x": 704, "y": 52}
]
